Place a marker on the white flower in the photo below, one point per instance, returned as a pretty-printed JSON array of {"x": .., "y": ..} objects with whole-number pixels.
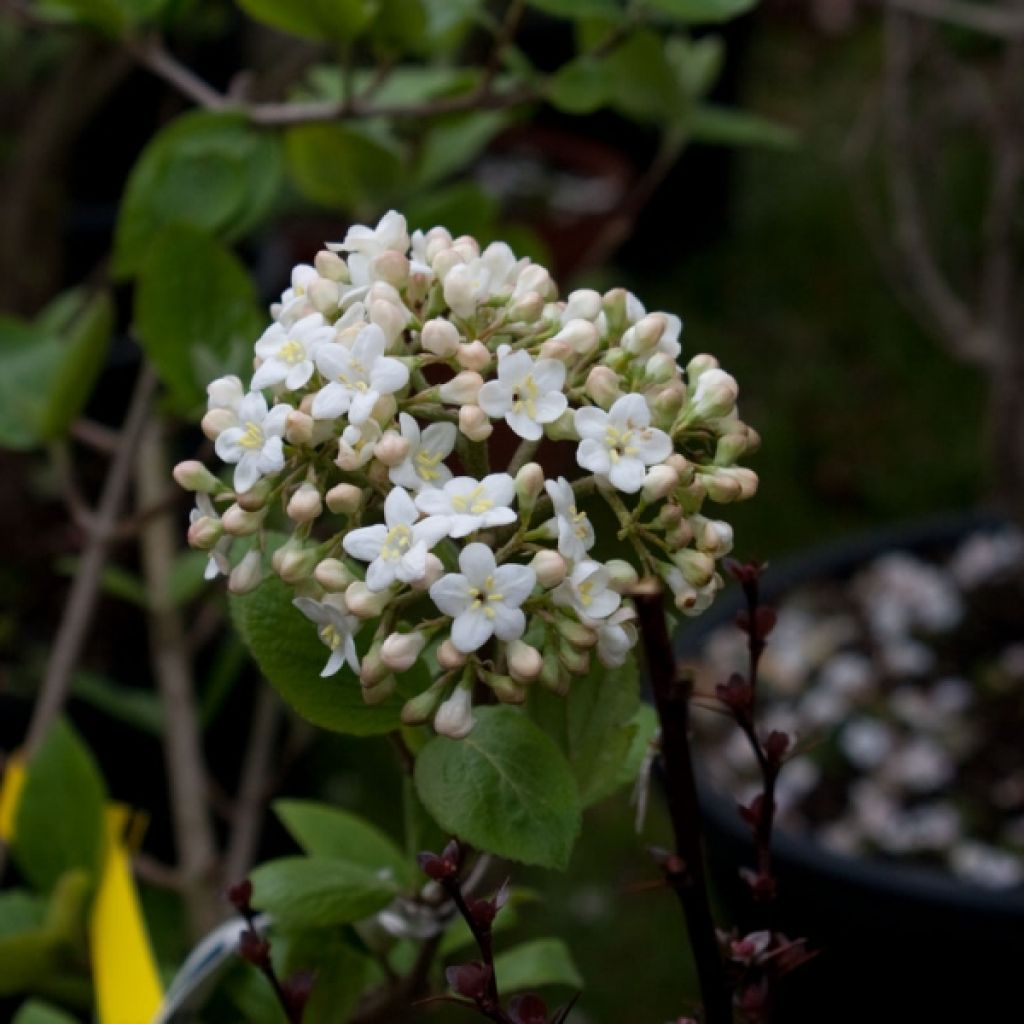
[
  {"x": 424, "y": 465},
  {"x": 357, "y": 443},
  {"x": 397, "y": 548},
  {"x": 621, "y": 443},
  {"x": 467, "y": 504},
  {"x": 225, "y": 393},
  {"x": 484, "y": 598},
  {"x": 391, "y": 232},
  {"x": 337, "y": 630},
  {"x": 586, "y": 591},
  {"x": 254, "y": 445},
  {"x": 287, "y": 352},
  {"x": 616, "y": 636},
  {"x": 218, "y": 563},
  {"x": 358, "y": 376},
  {"x": 526, "y": 393},
  {"x": 575, "y": 534},
  {"x": 295, "y": 301}
]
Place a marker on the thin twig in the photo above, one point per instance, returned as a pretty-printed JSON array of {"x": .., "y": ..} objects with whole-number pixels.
[
  {"x": 85, "y": 588},
  {"x": 986, "y": 18},
  {"x": 685, "y": 871}
]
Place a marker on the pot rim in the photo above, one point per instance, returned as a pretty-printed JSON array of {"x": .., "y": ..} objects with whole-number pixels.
[{"x": 837, "y": 560}]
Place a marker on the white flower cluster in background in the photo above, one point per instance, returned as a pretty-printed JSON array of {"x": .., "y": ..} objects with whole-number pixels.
[{"x": 399, "y": 401}]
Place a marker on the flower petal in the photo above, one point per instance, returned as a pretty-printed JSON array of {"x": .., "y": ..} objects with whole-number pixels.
[
  {"x": 477, "y": 562},
  {"x": 471, "y": 630},
  {"x": 593, "y": 455},
  {"x": 330, "y": 402},
  {"x": 365, "y": 543},
  {"x": 627, "y": 475},
  {"x": 652, "y": 446},
  {"x": 247, "y": 472},
  {"x": 549, "y": 375},
  {"x": 590, "y": 422},
  {"x": 389, "y": 375},
  {"x": 523, "y": 425},
  {"x": 549, "y": 406},
  {"x": 495, "y": 398},
  {"x": 630, "y": 410},
  {"x": 509, "y": 623},
  {"x": 399, "y": 508},
  {"x": 451, "y": 594},
  {"x": 514, "y": 582},
  {"x": 380, "y": 575}
]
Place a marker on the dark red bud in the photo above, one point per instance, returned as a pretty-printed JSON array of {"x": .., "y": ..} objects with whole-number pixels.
[
  {"x": 470, "y": 980},
  {"x": 744, "y": 573},
  {"x": 765, "y": 619},
  {"x": 254, "y": 948},
  {"x": 751, "y": 813},
  {"x": 483, "y": 913},
  {"x": 737, "y": 695},
  {"x": 528, "y": 1009},
  {"x": 240, "y": 896},
  {"x": 453, "y": 853},
  {"x": 437, "y": 868},
  {"x": 775, "y": 746},
  {"x": 297, "y": 989}
]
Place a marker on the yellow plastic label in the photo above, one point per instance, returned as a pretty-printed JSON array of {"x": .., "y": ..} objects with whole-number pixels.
[{"x": 10, "y": 793}]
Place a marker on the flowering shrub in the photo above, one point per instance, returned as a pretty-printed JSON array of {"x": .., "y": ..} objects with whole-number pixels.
[{"x": 400, "y": 400}]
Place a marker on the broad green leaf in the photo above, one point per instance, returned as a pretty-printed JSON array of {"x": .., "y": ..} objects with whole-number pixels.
[
  {"x": 446, "y": 18},
  {"x": 325, "y": 831},
  {"x": 580, "y": 8},
  {"x": 536, "y": 964},
  {"x": 20, "y": 911},
  {"x": 112, "y": 17},
  {"x": 407, "y": 84},
  {"x": 643, "y": 83},
  {"x": 697, "y": 62},
  {"x": 324, "y": 20},
  {"x": 316, "y": 892},
  {"x": 451, "y": 144},
  {"x": 505, "y": 788},
  {"x": 400, "y": 27},
  {"x": 29, "y": 362},
  {"x": 594, "y": 726},
  {"x": 85, "y": 340},
  {"x": 141, "y": 709},
  {"x": 581, "y": 86},
  {"x": 341, "y": 166},
  {"x": 46, "y": 844},
  {"x": 289, "y": 653},
  {"x": 702, "y": 11},
  {"x": 211, "y": 171},
  {"x": 729, "y": 127},
  {"x": 36, "y": 1012},
  {"x": 342, "y": 973},
  {"x": 194, "y": 305}
]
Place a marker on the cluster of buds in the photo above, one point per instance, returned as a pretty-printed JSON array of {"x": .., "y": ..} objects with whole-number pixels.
[{"x": 394, "y": 417}]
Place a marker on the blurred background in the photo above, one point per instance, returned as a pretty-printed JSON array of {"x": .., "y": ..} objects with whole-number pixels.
[{"x": 778, "y": 230}]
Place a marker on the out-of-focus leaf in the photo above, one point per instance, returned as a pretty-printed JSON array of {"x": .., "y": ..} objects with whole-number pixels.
[
  {"x": 20, "y": 911},
  {"x": 138, "y": 708},
  {"x": 400, "y": 27},
  {"x": 406, "y": 84},
  {"x": 112, "y": 17},
  {"x": 581, "y": 86},
  {"x": 703, "y": 12},
  {"x": 342, "y": 973},
  {"x": 210, "y": 171},
  {"x": 643, "y": 83},
  {"x": 317, "y": 892},
  {"x": 194, "y": 304},
  {"x": 342, "y": 166},
  {"x": 696, "y": 62},
  {"x": 580, "y": 8},
  {"x": 536, "y": 964},
  {"x": 29, "y": 362},
  {"x": 36, "y": 1012},
  {"x": 729, "y": 127},
  {"x": 454, "y": 142},
  {"x": 464, "y": 208},
  {"x": 46, "y": 845},
  {"x": 338, "y": 21}
]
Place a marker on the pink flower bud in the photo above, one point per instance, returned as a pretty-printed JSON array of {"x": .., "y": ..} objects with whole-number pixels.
[
  {"x": 392, "y": 267},
  {"x": 437, "y": 240},
  {"x": 344, "y": 499},
  {"x": 440, "y": 337},
  {"x": 454, "y": 717},
  {"x": 659, "y": 483},
  {"x": 305, "y": 504},
  {"x": 194, "y": 476},
  {"x": 432, "y": 572},
  {"x": 247, "y": 575},
  {"x": 240, "y": 522},
  {"x": 580, "y": 335},
  {"x": 392, "y": 448},
  {"x": 449, "y": 657},
  {"x": 715, "y": 395},
  {"x": 698, "y": 568},
  {"x": 621, "y": 575},
  {"x": 204, "y": 533},
  {"x": 643, "y": 337},
  {"x": 400, "y": 651},
  {"x": 332, "y": 574},
  {"x": 462, "y": 389},
  {"x": 474, "y": 355},
  {"x": 363, "y": 602},
  {"x": 553, "y": 349},
  {"x": 524, "y": 661},
  {"x": 298, "y": 428},
  {"x": 330, "y": 265},
  {"x": 528, "y": 307},
  {"x": 324, "y": 295},
  {"x": 446, "y": 261},
  {"x": 474, "y": 423},
  {"x": 389, "y": 318},
  {"x": 585, "y": 303},
  {"x": 550, "y": 568},
  {"x": 467, "y": 246},
  {"x": 293, "y": 561},
  {"x": 603, "y": 386},
  {"x": 529, "y": 483},
  {"x": 216, "y": 421}
]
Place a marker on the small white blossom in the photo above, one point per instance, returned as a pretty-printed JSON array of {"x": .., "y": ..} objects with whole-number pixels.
[
  {"x": 337, "y": 630},
  {"x": 575, "y": 533},
  {"x": 468, "y": 505},
  {"x": 358, "y": 376},
  {"x": 397, "y": 548},
  {"x": 255, "y": 445},
  {"x": 616, "y": 636},
  {"x": 225, "y": 393},
  {"x": 218, "y": 563},
  {"x": 288, "y": 352},
  {"x": 621, "y": 443},
  {"x": 357, "y": 443},
  {"x": 484, "y": 599},
  {"x": 586, "y": 591},
  {"x": 527, "y": 394},
  {"x": 424, "y": 465},
  {"x": 295, "y": 300}
]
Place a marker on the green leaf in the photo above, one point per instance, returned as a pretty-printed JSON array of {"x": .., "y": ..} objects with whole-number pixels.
[
  {"x": 341, "y": 166},
  {"x": 289, "y": 653},
  {"x": 728, "y": 127},
  {"x": 323, "y": 20},
  {"x": 141, "y": 709},
  {"x": 594, "y": 725},
  {"x": 46, "y": 845},
  {"x": 579, "y": 8},
  {"x": 407, "y": 84},
  {"x": 35, "y": 1012},
  {"x": 316, "y": 892},
  {"x": 643, "y": 82},
  {"x": 325, "y": 831},
  {"x": 112, "y": 17},
  {"x": 697, "y": 62},
  {"x": 702, "y": 12},
  {"x": 581, "y": 86},
  {"x": 505, "y": 788},
  {"x": 453, "y": 143},
  {"x": 194, "y": 305},
  {"x": 536, "y": 964},
  {"x": 20, "y": 911},
  {"x": 29, "y": 361},
  {"x": 207, "y": 170}
]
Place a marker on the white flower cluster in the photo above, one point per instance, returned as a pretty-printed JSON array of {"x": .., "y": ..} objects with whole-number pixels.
[{"x": 398, "y": 403}]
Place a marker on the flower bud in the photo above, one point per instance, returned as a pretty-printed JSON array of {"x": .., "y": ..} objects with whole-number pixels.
[
  {"x": 324, "y": 295},
  {"x": 682, "y": 466},
  {"x": 344, "y": 499},
  {"x": 529, "y": 484},
  {"x": 474, "y": 423},
  {"x": 583, "y": 302},
  {"x": 204, "y": 533},
  {"x": 305, "y": 504},
  {"x": 679, "y": 535},
  {"x": 621, "y": 575},
  {"x": 700, "y": 364},
  {"x": 194, "y": 476},
  {"x": 581, "y": 336},
  {"x": 400, "y": 651},
  {"x": 554, "y": 349},
  {"x": 454, "y": 717},
  {"x": 379, "y": 692},
  {"x": 614, "y": 303},
  {"x": 467, "y": 246},
  {"x": 659, "y": 482},
  {"x": 505, "y": 688},
  {"x": 392, "y": 267},
  {"x": 643, "y": 337},
  {"x": 363, "y": 602},
  {"x": 524, "y": 661},
  {"x": 293, "y": 561},
  {"x": 330, "y": 265},
  {"x": 715, "y": 395},
  {"x": 526, "y": 307},
  {"x": 473, "y": 355},
  {"x": 714, "y": 537},
  {"x": 603, "y": 386},
  {"x": 418, "y": 710},
  {"x": 550, "y": 568},
  {"x": 432, "y": 572},
  {"x": 247, "y": 575},
  {"x": 661, "y": 368},
  {"x": 449, "y": 656},
  {"x": 436, "y": 240},
  {"x": 372, "y": 669},
  {"x": 384, "y": 410},
  {"x": 698, "y": 568},
  {"x": 392, "y": 448},
  {"x": 391, "y": 319},
  {"x": 575, "y": 632},
  {"x": 577, "y": 661},
  {"x": 333, "y": 575},
  {"x": 534, "y": 278},
  {"x": 445, "y": 262},
  {"x": 440, "y": 337},
  {"x": 216, "y": 421},
  {"x": 722, "y": 487},
  {"x": 462, "y": 389},
  {"x": 299, "y": 428},
  {"x": 553, "y": 675},
  {"x": 669, "y": 515},
  {"x": 562, "y": 429},
  {"x": 241, "y": 522},
  {"x": 668, "y": 400}
]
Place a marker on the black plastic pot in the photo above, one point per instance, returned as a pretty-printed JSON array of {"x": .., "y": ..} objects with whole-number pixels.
[{"x": 899, "y": 943}]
